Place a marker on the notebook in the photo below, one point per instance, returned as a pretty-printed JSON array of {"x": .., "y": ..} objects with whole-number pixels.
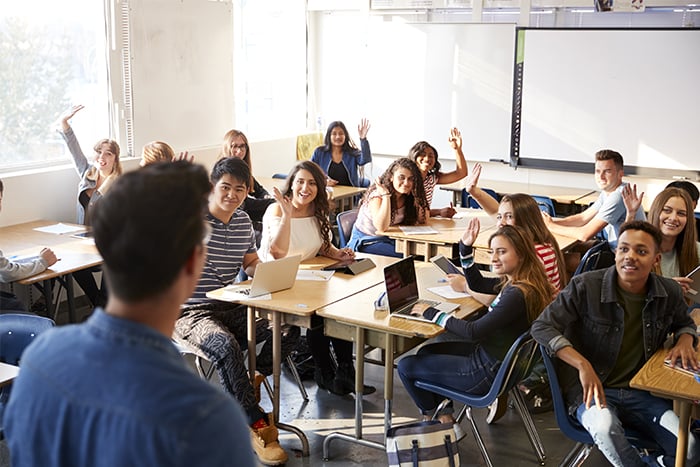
[
  {"x": 693, "y": 293},
  {"x": 402, "y": 291},
  {"x": 270, "y": 277}
]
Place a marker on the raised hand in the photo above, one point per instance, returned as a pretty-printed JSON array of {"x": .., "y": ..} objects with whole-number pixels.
[
  {"x": 455, "y": 138},
  {"x": 472, "y": 231},
  {"x": 472, "y": 179},
  {"x": 68, "y": 114},
  {"x": 363, "y": 128},
  {"x": 632, "y": 201},
  {"x": 184, "y": 156},
  {"x": 284, "y": 201}
]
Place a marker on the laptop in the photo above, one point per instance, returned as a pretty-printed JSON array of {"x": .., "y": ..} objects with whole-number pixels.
[
  {"x": 402, "y": 291},
  {"x": 271, "y": 276}
]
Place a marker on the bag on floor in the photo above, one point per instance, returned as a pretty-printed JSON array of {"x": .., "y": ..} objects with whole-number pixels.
[{"x": 422, "y": 444}]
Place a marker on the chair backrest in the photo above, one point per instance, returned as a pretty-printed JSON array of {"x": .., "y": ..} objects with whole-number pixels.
[
  {"x": 561, "y": 413},
  {"x": 599, "y": 256},
  {"x": 469, "y": 202},
  {"x": 17, "y": 331},
  {"x": 346, "y": 220},
  {"x": 280, "y": 176},
  {"x": 545, "y": 204},
  {"x": 515, "y": 367}
]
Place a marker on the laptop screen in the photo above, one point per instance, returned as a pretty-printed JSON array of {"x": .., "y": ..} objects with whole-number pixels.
[{"x": 401, "y": 284}]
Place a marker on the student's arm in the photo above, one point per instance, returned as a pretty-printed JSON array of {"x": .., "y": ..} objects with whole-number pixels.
[
  {"x": 277, "y": 223},
  {"x": 632, "y": 201},
  {"x": 365, "y": 152},
  {"x": 259, "y": 192},
  {"x": 461, "y": 169},
  {"x": 459, "y": 284},
  {"x": 475, "y": 280},
  {"x": 11, "y": 271},
  {"x": 592, "y": 387},
  {"x": 250, "y": 262},
  {"x": 79, "y": 160},
  {"x": 486, "y": 201},
  {"x": 582, "y": 226},
  {"x": 380, "y": 208}
]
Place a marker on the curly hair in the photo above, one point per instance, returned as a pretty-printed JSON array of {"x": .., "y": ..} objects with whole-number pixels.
[
  {"x": 321, "y": 205},
  {"x": 416, "y": 202}
]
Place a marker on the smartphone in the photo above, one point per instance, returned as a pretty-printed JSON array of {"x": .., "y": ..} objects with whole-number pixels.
[{"x": 445, "y": 265}]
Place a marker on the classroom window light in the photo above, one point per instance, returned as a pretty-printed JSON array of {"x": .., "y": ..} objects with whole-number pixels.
[{"x": 52, "y": 55}]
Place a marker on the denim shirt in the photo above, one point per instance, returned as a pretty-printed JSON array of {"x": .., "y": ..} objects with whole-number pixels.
[
  {"x": 587, "y": 316},
  {"x": 351, "y": 161},
  {"x": 113, "y": 392}
]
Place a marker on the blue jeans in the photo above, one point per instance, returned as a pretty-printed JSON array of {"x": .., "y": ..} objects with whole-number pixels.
[
  {"x": 460, "y": 365},
  {"x": 640, "y": 411},
  {"x": 374, "y": 244}
]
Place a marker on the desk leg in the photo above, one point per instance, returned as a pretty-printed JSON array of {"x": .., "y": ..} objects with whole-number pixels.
[
  {"x": 683, "y": 428},
  {"x": 388, "y": 381},
  {"x": 251, "y": 344},
  {"x": 70, "y": 294},
  {"x": 359, "y": 386},
  {"x": 276, "y": 371},
  {"x": 47, "y": 289}
]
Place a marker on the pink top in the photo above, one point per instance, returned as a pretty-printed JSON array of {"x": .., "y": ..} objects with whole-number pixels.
[{"x": 549, "y": 260}]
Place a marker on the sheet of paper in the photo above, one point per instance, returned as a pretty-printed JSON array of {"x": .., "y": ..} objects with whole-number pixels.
[
  {"x": 313, "y": 275},
  {"x": 446, "y": 291},
  {"x": 417, "y": 229},
  {"x": 23, "y": 258},
  {"x": 59, "y": 229},
  {"x": 237, "y": 296}
]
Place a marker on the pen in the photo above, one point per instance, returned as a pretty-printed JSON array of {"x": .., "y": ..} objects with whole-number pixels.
[{"x": 442, "y": 281}]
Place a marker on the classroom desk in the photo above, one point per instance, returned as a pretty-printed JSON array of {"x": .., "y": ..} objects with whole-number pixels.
[
  {"x": 74, "y": 254},
  {"x": 355, "y": 319},
  {"x": 560, "y": 194},
  {"x": 444, "y": 241},
  {"x": 450, "y": 232},
  {"x": 7, "y": 373},
  {"x": 344, "y": 196},
  {"x": 296, "y": 306},
  {"x": 670, "y": 384}
]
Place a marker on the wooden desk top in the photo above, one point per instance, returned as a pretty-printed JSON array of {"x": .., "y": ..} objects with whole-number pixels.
[
  {"x": 449, "y": 230},
  {"x": 339, "y": 191},
  {"x": 74, "y": 253},
  {"x": 7, "y": 373},
  {"x": 358, "y": 309},
  {"x": 658, "y": 379},
  {"x": 561, "y": 194},
  {"x": 308, "y": 296}
]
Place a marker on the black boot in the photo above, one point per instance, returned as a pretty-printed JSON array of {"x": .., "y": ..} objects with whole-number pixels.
[
  {"x": 344, "y": 381},
  {"x": 323, "y": 379}
]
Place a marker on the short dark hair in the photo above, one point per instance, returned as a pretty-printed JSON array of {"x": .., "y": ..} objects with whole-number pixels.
[
  {"x": 237, "y": 168},
  {"x": 687, "y": 186},
  {"x": 147, "y": 226},
  {"x": 610, "y": 155},
  {"x": 644, "y": 226}
]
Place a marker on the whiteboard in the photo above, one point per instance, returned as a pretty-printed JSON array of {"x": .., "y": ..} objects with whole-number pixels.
[
  {"x": 415, "y": 81},
  {"x": 182, "y": 72},
  {"x": 634, "y": 91}
]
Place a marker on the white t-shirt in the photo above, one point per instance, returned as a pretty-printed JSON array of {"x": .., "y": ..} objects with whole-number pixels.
[{"x": 305, "y": 237}]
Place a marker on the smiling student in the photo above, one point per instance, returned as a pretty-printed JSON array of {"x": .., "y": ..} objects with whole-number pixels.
[
  {"x": 339, "y": 157},
  {"x": 471, "y": 364},
  {"x": 298, "y": 225},
  {"x": 95, "y": 180},
  {"x": 396, "y": 198},
  {"x": 426, "y": 157}
]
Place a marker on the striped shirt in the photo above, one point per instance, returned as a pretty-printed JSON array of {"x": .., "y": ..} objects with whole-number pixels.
[
  {"x": 549, "y": 260},
  {"x": 429, "y": 183},
  {"x": 225, "y": 251}
]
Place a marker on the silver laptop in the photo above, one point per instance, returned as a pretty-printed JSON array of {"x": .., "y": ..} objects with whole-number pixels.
[
  {"x": 270, "y": 277},
  {"x": 402, "y": 291}
]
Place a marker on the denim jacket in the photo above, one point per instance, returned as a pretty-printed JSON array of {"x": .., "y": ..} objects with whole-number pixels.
[
  {"x": 351, "y": 161},
  {"x": 587, "y": 316}
]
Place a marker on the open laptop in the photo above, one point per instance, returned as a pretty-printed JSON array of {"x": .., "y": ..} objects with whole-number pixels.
[
  {"x": 402, "y": 291},
  {"x": 270, "y": 277}
]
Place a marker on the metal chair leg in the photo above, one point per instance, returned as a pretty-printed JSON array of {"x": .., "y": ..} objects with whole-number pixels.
[
  {"x": 577, "y": 456},
  {"x": 297, "y": 378},
  {"x": 530, "y": 429},
  {"x": 477, "y": 437}
]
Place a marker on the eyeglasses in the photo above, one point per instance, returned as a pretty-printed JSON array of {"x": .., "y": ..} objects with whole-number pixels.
[{"x": 238, "y": 146}]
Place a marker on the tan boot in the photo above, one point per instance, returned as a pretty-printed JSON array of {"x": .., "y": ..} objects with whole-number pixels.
[
  {"x": 259, "y": 378},
  {"x": 266, "y": 445}
]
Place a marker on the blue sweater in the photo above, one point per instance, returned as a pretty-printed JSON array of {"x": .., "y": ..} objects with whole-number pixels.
[{"x": 351, "y": 160}]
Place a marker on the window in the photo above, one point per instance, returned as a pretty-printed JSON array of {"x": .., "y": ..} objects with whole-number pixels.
[{"x": 52, "y": 55}]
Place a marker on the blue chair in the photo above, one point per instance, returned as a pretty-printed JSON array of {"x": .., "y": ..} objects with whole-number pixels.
[
  {"x": 515, "y": 367},
  {"x": 545, "y": 204},
  {"x": 345, "y": 220},
  {"x": 17, "y": 331},
  {"x": 469, "y": 202},
  {"x": 599, "y": 256},
  {"x": 572, "y": 429},
  {"x": 280, "y": 176}
]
